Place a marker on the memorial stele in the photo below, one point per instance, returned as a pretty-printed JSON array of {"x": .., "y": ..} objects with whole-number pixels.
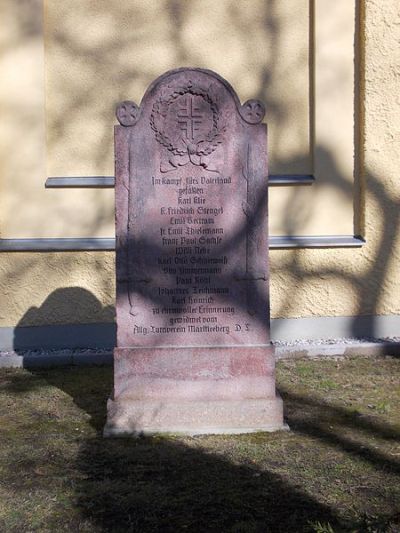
[{"x": 193, "y": 352}]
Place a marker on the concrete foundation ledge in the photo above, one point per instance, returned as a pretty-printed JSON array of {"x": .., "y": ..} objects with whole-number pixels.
[
  {"x": 318, "y": 349},
  {"x": 350, "y": 348},
  {"x": 55, "y": 358},
  {"x": 284, "y": 331}
]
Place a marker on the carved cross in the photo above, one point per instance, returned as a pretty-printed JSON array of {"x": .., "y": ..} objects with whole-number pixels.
[{"x": 189, "y": 116}]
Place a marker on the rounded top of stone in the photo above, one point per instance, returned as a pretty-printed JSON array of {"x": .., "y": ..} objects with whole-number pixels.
[{"x": 252, "y": 111}]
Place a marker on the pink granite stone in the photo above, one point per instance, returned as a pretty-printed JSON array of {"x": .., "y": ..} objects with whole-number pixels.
[{"x": 192, "y": 262}]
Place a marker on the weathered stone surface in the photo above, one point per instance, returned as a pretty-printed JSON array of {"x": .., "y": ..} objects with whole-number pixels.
[
  {"x": 192, "y": 260},
  {"x": 193, "y": 418}
]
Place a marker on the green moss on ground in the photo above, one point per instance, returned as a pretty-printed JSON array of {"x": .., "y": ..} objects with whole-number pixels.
[{"x": 338, "y": 469}]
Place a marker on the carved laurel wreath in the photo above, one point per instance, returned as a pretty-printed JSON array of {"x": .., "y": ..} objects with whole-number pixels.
[{"x": 204, "y": 146}]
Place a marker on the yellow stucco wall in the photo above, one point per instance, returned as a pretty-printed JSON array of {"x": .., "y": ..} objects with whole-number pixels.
[
  {"x": 82, "y": 57},
  {"x": 48, "y": 288},
  {"x": 98, "y": 53},
  {"x": 56, "y": 288},
  {"x": 359, "y": 281}
]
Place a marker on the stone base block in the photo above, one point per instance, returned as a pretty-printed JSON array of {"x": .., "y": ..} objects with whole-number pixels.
[
  {"x": 143, "y": 417},
  {"x": 191, "y": 374},
  {"x": 194, "y": 391}
]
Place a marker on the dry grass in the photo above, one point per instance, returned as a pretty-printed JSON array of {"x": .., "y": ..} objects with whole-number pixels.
[{"x": 338, "y": 469}]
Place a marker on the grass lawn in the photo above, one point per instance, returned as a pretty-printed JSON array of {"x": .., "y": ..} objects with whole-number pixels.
[{"x": 338, "y": 469}]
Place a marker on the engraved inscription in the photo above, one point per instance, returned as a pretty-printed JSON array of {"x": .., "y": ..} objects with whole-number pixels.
[{"x": 193, "y": 234}]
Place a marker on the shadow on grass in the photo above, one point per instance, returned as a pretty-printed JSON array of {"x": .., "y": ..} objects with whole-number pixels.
[
  {"x": 211, "y": 484},
  {"x": 311, "y": 416},
  {"x": 166, "y": 484},
  {"x": 322, "y": 410},
  {"x": 160, "y": 484}
]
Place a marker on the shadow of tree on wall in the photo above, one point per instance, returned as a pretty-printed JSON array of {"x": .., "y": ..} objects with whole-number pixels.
[
  {"x": 89, "y": 317},
  {"x": 63, "y": 303},
  {"x": 368, "y": 278}
]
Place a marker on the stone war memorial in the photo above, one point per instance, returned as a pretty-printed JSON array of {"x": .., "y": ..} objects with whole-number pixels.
[{"x": 193, "y": 351}]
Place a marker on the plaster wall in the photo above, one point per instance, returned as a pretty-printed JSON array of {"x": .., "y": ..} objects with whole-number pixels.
[
  {"x": 362, "y": 281},
  {"x": 84, "y": 57},
  {"x": 57, "y": 288}
]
